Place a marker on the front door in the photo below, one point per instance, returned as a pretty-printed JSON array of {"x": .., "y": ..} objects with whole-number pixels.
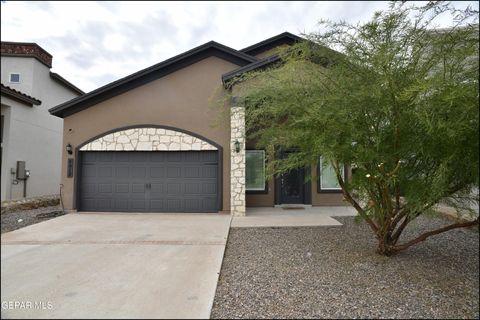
[{"x": 292, "y": 186}]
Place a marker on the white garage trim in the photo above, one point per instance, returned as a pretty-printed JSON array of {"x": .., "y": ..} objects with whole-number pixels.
[{"x": 147, "y": 139}]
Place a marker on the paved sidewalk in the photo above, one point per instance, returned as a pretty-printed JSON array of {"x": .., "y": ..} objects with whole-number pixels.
[{"x": 279, "y": 217}]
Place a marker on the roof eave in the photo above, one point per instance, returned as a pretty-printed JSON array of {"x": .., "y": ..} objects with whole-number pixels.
[
  {"x": 61, "y": 80},
  {"x": 229, "y": 76},
  {"x": 20, "y": 97},
  {"x": 257, "y": 47}
]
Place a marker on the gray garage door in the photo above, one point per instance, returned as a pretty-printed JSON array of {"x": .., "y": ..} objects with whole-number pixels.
[{"x": 160, "y": 181}]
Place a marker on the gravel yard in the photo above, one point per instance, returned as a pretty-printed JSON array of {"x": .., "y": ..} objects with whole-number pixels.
[
  {"x": 333, "y": 272},
  {"x": 10, "y": 220}
]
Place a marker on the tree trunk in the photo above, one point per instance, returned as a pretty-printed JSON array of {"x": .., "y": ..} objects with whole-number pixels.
[{"x": 385, "y": 247}]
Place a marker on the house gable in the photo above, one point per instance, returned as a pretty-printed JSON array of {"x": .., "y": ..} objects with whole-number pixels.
[{"x": 150, "y": 74}]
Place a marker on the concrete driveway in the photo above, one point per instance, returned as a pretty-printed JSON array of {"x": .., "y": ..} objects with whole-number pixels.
[{"x": 113, "y": 266}]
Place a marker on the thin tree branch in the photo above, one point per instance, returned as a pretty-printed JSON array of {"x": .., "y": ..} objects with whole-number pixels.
[
  {"x": 352, "y": 201},
  {"x": 400, "y": 229},
  {"x": 424, "y": 236}
]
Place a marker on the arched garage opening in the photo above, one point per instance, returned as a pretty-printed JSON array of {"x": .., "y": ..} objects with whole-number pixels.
[{"x": 149, "y": 168}]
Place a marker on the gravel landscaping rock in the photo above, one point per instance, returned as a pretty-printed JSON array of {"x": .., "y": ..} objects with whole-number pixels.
[
  {"x": 18, "y": 219},
  {"x": 334, "y": 272},
  {"x": 30, "y": 203}
]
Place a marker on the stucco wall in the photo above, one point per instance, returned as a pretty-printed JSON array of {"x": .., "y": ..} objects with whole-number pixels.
[
  {"x": 181, "y": 99},
  {"x": 22, "y": 65},
  {"x": 5, "y": 181},
  {"x": 34, "y": 136},
  {"x": 264, "y": 199}
]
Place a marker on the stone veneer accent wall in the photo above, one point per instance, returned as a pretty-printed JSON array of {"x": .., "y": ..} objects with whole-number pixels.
[
  {"x": 237, "y": 162},
  {"x": 147, "y": 139}
]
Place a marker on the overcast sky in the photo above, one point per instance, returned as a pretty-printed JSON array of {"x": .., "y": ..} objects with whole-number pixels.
[{"x": 94, "y": 43}]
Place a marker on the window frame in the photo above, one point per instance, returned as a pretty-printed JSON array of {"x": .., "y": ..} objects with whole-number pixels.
[
  {"x": 265, "y": 188},
  {"x": 319, "y": 179},
  {"x": 10, "y": 77}
]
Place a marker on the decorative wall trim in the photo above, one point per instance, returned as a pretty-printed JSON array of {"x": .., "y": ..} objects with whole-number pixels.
[
  {"x": 147, "y": 139},
  {"x": 25, "y": 49}
]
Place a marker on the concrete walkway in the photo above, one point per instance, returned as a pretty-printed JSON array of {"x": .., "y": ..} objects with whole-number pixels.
[
  {"x": 113, "y": 266},
  {"x": 279, "y": 217}
]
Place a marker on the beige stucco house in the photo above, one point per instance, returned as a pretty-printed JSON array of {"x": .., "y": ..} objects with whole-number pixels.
[
  {"x": 31, "y": 147},
  {"x": 152, "y": 142}
]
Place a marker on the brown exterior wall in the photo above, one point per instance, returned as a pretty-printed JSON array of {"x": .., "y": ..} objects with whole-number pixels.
[
  {"x": 262, "y": 200},
  {"x": 181, "y": 99}
]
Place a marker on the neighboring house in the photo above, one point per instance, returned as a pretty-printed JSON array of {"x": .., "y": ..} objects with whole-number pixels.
[
  {"x": 31, "y": 136},
  {"x": 148, "y": 143}
]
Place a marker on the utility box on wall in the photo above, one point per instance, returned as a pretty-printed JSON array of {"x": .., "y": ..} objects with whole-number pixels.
[{"x": 21, "y": 172}]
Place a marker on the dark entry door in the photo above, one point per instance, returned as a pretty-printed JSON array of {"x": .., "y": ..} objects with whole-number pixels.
[
  {"x": 170, "y": 181},
  {"x": 292, "y": 185}
]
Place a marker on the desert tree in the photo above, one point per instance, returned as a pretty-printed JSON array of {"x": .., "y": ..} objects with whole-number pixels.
[{"x": 395, "y": 97}]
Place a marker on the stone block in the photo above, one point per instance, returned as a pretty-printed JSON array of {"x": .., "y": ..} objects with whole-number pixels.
[
  {"x": 185, "y": 146},
  {"x": 187, "y": 139},
  {"x": 144, "y": 146},
  {"x": 129, "y": 132},
  {"x": 143, "y": 137},
  {"x": 196, "y": 146},
  {"x": 174, "y": 146},
  {"x": 165, "y": 139},
  {"x": 123, "y": 139},
  {"x": 96, "y": 145},
  {"x": 162, "y": 147},
  {"x": 108, "y": 138},
  {"x": 128, "y": 147}
]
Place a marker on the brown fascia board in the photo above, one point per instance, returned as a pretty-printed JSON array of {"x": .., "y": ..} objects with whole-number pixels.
[
  {"x": 19, "y": 96},
  {"x": 267, "y": 44},
  {"x": 67, "y": 84},
  {"x": 149, "y": 74}
]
